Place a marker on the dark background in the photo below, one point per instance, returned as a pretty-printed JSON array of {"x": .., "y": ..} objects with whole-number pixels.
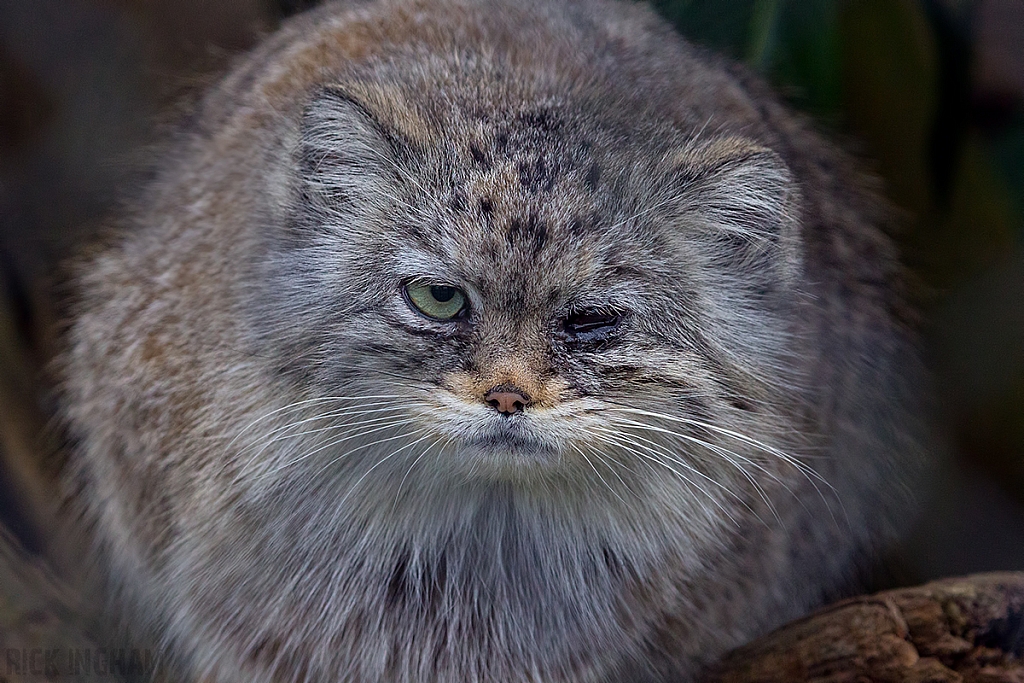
[{"x": 929, "y": 93}]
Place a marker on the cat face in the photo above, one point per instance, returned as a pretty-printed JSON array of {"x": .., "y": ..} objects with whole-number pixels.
[{"x": 549, "y": 292}]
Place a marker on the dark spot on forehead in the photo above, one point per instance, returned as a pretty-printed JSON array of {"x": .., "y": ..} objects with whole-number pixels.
[
  {"x": 515, "y": 303},
  {"x": 457, "y": 200},
  {"x": 530, "y": 231},
  {"x": 423, "y": 236},
  {"x": 577, "y": 227},
  {"x": 593, "y": 176},
  {"x": 613, "y": 255},
  {"x": 398, "y": 590},
  {"x": 741, "y": 403},
  {"x": 486, "y": 206},
  {"x": 415, "y": 232},
  {"x": 542, "y": 119},
  {"x": 491, "y": 251},
  {"x": 538, "y": 175},
  {"x": 515, "y": 229},
  {"x": 479, "y": 158},
  {"x": 540, "y": 236}
]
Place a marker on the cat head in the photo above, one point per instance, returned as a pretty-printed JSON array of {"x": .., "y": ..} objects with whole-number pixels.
[{"x": 540, "y": 289}]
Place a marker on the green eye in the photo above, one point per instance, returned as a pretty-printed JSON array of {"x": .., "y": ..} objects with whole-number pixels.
[{"x": 439, "y": 302}]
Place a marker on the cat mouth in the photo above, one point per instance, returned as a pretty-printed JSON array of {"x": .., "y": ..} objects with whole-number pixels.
[{"x": 511, "y": 437}]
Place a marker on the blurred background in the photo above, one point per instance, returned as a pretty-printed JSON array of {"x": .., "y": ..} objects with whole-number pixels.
[{"x": 928, "y": 93}]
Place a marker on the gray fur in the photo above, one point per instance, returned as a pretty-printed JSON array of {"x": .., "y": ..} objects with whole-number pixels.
[{"x": 292, "y": 476}]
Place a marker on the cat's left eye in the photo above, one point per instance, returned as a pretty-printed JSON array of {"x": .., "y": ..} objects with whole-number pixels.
[
  {"x": 437, "y": 302},
  {"x": 590, "y": 325}
]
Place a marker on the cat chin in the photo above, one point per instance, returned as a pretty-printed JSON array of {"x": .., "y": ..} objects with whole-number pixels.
[{"x": 505, "y": 454}]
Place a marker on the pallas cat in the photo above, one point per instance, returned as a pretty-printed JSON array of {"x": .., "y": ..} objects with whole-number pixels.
[{"x": 486, "y": 340}]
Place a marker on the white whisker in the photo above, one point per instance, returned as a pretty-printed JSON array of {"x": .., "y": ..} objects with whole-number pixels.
[
  {"x": 297, "y": 405},
  {"x": 593, "y": 467},
  {"x": 622, "y": 441},
  {"x": 379, "y": 462},
  {"x": 808, "y": 472},
  {"x": 282, "y": 431},
  {"x": 370, "y": 422},
  {"x": 335, "y": 442},
  {"x": 422, "y": 454},
  {"x": 728, "y": 455}
]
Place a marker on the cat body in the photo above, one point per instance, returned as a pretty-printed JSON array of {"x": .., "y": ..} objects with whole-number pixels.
[{"x": 486, "y": 341}]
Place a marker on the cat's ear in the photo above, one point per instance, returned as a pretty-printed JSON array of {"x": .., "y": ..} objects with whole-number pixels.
[
  {"x": 349, "y": 162},
  {"x": 740, "y": 203}
]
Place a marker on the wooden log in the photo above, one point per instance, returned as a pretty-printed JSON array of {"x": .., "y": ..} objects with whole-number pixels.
[{"x": 968, "y": 630}]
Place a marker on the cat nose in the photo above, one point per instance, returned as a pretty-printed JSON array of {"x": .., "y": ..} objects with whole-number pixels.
[{"x": 507, "y": 400}]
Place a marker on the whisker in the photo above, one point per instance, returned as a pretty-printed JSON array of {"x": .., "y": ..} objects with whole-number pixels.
[
  {"x": 379, "y": 462},
  {"x": 335, "y": 442},
  {"x": 732, "y": 434},
  {"x": 612, "y": 465},
  {"x": 617, "y": 439},
  {"x": 423, "y": 453},
  {"x": 808, "y": 472},
  {"x": 606, "y": 484},
  {"x": 334, "y": 427},
  {"x": 724, "y": 453},
  {"x": 298, "y": 405},
  {"x": 341, "y": 412}
]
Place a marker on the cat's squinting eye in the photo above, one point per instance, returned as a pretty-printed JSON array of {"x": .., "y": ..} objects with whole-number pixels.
[
  {"x": 590, "y": 324},
  {"x": 437, "y": 302}
]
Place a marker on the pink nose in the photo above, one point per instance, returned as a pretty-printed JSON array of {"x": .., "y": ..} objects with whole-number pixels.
[{"x": 506, "y": 400}]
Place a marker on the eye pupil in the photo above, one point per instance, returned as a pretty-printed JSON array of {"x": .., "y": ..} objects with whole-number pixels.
[{"x": 441, "y": 293}]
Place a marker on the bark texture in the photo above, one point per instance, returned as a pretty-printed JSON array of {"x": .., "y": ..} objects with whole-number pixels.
[{"x": 968, "y": 630}]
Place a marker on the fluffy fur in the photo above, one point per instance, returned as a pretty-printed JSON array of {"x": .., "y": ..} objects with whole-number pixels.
[{"x": 292, "y": 476}]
